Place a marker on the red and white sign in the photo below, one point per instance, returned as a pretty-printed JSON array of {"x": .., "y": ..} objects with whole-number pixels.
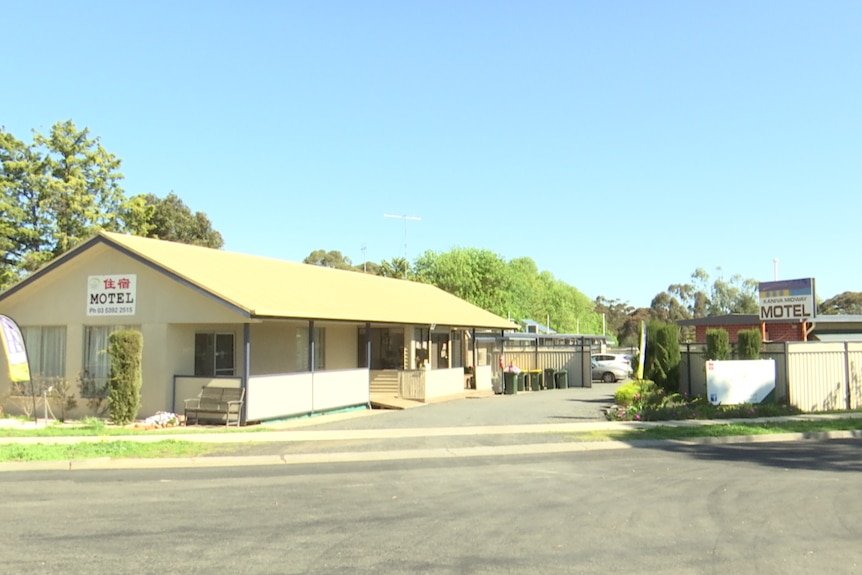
[{"x": 111, "y": 295}]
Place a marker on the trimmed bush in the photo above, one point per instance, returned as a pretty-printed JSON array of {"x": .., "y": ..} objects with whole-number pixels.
[
  {"x": 125, "y": 349},
  {"x": 717, "y": 344},
  {"x": 662, "y": 356},
  {"x": 749, "y": 344}
]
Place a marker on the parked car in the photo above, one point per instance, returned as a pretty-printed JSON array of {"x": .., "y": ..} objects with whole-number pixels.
[{"x": 611, "y": 367}]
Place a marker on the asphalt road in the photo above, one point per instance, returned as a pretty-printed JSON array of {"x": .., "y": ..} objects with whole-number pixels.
[{"x": 783, "y": 508}]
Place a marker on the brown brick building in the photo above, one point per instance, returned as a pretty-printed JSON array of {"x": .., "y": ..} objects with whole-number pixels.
[{"x": 821, "y": 328}]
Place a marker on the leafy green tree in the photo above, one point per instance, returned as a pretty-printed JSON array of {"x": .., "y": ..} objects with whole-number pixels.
[
  {"x": 846, "y": 303},
  {"x": 475, "y": 275},
  {"x": 372, "y": 268},
  {"x": 705, "y": 297},
  {"x": 329, "y": 259},
  {"x": 79, "y": 185},
  {"x": 171, "y": 219},
  {"x": 667, "y": 308},
  {"x": 615, "y": 313},
  {"x": 571, "y": 311},
  {"x": 629, "y": 333},
  {"x": 18, "y": 198},
  {"x": 398, "y": 268},
  {"x": 56, "y": 192},
  {"x": 515, "y": 289}
]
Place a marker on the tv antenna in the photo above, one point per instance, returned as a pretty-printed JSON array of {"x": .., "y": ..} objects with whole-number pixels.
[{"x": 405, "y": 218}]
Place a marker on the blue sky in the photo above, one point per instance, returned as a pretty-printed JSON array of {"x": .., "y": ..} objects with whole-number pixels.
[{"x": 619, "y": 144}]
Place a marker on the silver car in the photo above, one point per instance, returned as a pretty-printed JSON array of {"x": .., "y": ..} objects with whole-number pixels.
[{"x": 611, "y": 367}]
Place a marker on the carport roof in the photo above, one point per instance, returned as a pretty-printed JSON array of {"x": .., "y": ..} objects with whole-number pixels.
[{"x": 264, "y": 287}]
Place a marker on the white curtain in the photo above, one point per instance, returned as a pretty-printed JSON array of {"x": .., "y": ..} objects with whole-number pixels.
[
  {"x": 46, "y": 351},
  {"x": 97, "y": 363}
]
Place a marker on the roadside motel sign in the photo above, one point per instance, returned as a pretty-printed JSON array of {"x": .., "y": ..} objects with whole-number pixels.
[{"x": 787, "y": 299}]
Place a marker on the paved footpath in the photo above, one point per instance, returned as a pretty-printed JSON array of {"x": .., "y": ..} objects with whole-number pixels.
[{"x": 540, "y": 422}]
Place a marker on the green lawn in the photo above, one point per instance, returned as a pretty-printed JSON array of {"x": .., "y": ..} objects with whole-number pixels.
[
  {"x": 118, "y": 448},
  {"x": 727, "y": 430},
  {"x": 98, "y": 428},
  {"x": 108, "y": 448}
]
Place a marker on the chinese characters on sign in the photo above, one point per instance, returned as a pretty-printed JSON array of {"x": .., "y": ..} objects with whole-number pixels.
[{"x": 111, "y": 295}]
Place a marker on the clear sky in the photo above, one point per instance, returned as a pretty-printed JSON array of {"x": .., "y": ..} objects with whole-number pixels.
[{"x": 619, "y": 144}]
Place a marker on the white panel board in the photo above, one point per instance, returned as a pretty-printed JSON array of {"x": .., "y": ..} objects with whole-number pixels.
[
  {"x": 343, "y": 388},
  {"x": 273, "y": 396},
  {"x": 739, "y": 381}
]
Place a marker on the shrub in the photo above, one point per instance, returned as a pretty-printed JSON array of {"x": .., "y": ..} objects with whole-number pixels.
[
  {"x": 662, "y": 355},
  {"x": 125, "y": 349},
  {"x": 650, "y": 404},
  {"x": 749, "y": 343},
  {"x": 62, "y": 396},
  {"x": 626, "y": 392},
  {"x": 717, "y": 344}
]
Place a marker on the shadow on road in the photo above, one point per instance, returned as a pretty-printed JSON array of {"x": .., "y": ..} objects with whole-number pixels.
[{"x": 825, "y": 455}]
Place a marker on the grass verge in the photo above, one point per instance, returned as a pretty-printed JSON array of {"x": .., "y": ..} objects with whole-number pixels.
[
  {"x": 106, "y": 430},
  {"x": 171, "y": 448},
  {"x": 112, "y": 449},
  {"x": 724, "y": 430}
]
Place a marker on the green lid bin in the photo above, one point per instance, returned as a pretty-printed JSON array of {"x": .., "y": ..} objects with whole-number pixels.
[
  {"x": 561, "y": 378},
  {"x": 549, "y": 378},
  {"x": 510, "y": 384}
]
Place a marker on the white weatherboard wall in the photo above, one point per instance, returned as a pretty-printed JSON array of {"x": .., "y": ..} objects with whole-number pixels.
[
  {"x": 342, "y": 388},
  {"x": 286, "y": 395},
  {"x": 739, "y": 381},
  {"x": 272, "y": 396},
  {"x": 444, "y": 382},
  {"x": 483, "y": 377}
]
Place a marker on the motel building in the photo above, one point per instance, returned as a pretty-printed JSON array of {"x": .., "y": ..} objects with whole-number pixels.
[
  {"x": 788, "y": 313},
  {"x": 298, "y": 339}
]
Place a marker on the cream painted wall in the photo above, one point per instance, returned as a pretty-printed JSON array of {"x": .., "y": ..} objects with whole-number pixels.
[
  {"x": 274, "y": 351},
  {"x": 60, "y": 298},
  {"x": 273, "y": 347},
  {"x": 342, "y": 345}
]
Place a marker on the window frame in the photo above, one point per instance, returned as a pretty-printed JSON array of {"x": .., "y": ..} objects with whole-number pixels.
[{"x": 213, "y": 345}]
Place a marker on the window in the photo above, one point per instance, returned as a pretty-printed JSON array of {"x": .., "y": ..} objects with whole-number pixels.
[
  {"x": 97, "y": 364},
  {"x": 302, "y": 348},
  {"x": 46, "y": 350},
  {"x": 214, "y": 354}
]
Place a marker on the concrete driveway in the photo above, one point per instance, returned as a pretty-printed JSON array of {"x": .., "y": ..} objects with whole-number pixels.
[{"x": 572, "y": 405}]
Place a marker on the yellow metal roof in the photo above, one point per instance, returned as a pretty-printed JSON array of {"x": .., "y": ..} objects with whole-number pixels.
[{"x": 267, "y": 287}]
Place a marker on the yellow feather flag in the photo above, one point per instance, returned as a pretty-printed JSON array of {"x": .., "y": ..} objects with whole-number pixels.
[{"x": 15, "y": 350}]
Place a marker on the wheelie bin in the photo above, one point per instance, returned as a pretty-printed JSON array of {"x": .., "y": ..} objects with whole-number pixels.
[
  {"x": 561, "y": 378},
  {"x": 510, "y": 383},
  {"x": 549, "y": 378}
]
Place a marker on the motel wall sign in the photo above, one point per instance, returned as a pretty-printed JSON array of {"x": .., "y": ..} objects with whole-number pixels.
[
  {"x": 111, "y": 295},
  {"x": 788, "y": 299}
]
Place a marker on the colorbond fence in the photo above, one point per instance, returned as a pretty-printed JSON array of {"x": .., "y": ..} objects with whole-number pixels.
[{"x": 813, "y": 376}]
